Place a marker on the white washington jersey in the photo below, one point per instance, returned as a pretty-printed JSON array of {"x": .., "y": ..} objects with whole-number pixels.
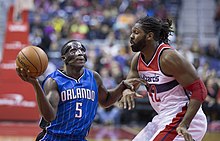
[{"x": 169, "y": 99}]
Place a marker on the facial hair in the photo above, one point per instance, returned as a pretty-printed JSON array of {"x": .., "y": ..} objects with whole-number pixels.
[{"x": 139, "y": 45}]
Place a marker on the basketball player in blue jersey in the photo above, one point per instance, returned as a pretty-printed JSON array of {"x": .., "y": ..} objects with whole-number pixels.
[
  {"x": 69, "y": 99},
  {"x": 174, "y": 89}
]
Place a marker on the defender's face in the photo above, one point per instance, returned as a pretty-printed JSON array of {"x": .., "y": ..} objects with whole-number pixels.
[
  {"x": 137, "y": 38},
  {"x": 75, "y": 54}
]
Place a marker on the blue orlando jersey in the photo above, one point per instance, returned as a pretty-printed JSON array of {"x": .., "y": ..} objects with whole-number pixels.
[{"x": 77, "y": 107}]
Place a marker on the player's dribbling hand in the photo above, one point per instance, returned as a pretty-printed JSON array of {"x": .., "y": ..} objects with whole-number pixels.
[
  {"x": 24, "y": 75},
  {"x": 182, "y": 131}
]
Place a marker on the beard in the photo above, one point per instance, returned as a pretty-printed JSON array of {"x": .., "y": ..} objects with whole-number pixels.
[{"x": 136, "y": 47}]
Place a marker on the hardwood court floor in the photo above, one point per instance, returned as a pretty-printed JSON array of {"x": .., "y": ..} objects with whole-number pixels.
[{"x": 12, "y": 131}]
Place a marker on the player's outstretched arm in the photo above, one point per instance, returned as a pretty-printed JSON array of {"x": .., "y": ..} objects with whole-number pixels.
[{"x": 109, "y": 97}]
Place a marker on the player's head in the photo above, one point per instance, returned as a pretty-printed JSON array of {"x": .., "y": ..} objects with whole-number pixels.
[
  {"x": 74, "y": 52},
  {"x": 147, "y": 29}
]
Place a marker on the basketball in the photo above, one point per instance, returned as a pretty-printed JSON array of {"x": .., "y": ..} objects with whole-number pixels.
[{"x": 34, "y": 59}]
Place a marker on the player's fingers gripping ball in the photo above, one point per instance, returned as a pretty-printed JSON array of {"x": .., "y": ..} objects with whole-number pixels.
[{"x": 33, "y": 59}]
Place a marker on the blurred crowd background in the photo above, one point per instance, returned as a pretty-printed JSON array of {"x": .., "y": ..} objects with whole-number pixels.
[{"x": 104, "y": 27}]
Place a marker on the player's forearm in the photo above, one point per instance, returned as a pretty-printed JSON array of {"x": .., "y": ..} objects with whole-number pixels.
[
  {"x": 114, "y": 94},
  {"x": 44, "y": 106},
  {"x": 199, "y": 94},
  {"x": 192, "y": 109}
]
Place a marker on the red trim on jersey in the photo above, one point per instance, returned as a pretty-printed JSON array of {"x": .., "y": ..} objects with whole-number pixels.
[
  {"x": 169, "y": 133},
  {"x": 153, "y": 65},
  {"x": 142, "y": 66}
]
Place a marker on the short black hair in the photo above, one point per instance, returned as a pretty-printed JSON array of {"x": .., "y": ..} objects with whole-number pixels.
[{"x": 67, "y": 45}]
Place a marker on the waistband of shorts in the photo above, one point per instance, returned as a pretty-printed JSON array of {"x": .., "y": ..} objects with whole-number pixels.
[{"x": 72, "y": 137}]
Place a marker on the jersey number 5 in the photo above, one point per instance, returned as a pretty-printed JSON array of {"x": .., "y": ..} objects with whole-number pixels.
[{"x": 78, "y": 113}]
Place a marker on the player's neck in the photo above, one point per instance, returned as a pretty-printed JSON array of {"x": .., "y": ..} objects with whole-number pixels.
[
  {"x": 74, "y": 72},
  {"x": 149, "y": 51}
]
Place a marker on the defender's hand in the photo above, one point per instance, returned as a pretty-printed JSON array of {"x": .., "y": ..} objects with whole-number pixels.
[
  {"x": 134, "y": 83},
  {"x": 128, "y": 99}
]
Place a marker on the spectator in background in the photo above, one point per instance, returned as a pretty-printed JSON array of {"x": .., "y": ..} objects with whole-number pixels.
[
  {"x": 187, "y": 53},
  {"x": 217, "y": 21},
  {"x": 111, "y": 75},
  {"x": 78, "y": 29},
  {"x": 212, "y": 50},
  {"x": 211, "y": 105},
  {"x": 40, "y": 39},
  {"x": 109, "y": 116},
  {"x": 217, "y": 17}
]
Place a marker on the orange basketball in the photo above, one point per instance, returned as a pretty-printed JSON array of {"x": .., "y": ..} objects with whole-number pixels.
[{"x": 34, "y": 59}]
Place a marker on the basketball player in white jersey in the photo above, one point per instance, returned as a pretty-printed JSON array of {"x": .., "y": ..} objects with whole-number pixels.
[{"x": 175, "y": 91}]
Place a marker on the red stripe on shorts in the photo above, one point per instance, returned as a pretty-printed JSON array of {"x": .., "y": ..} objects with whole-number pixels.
[{"x": 169, "y": 133}]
